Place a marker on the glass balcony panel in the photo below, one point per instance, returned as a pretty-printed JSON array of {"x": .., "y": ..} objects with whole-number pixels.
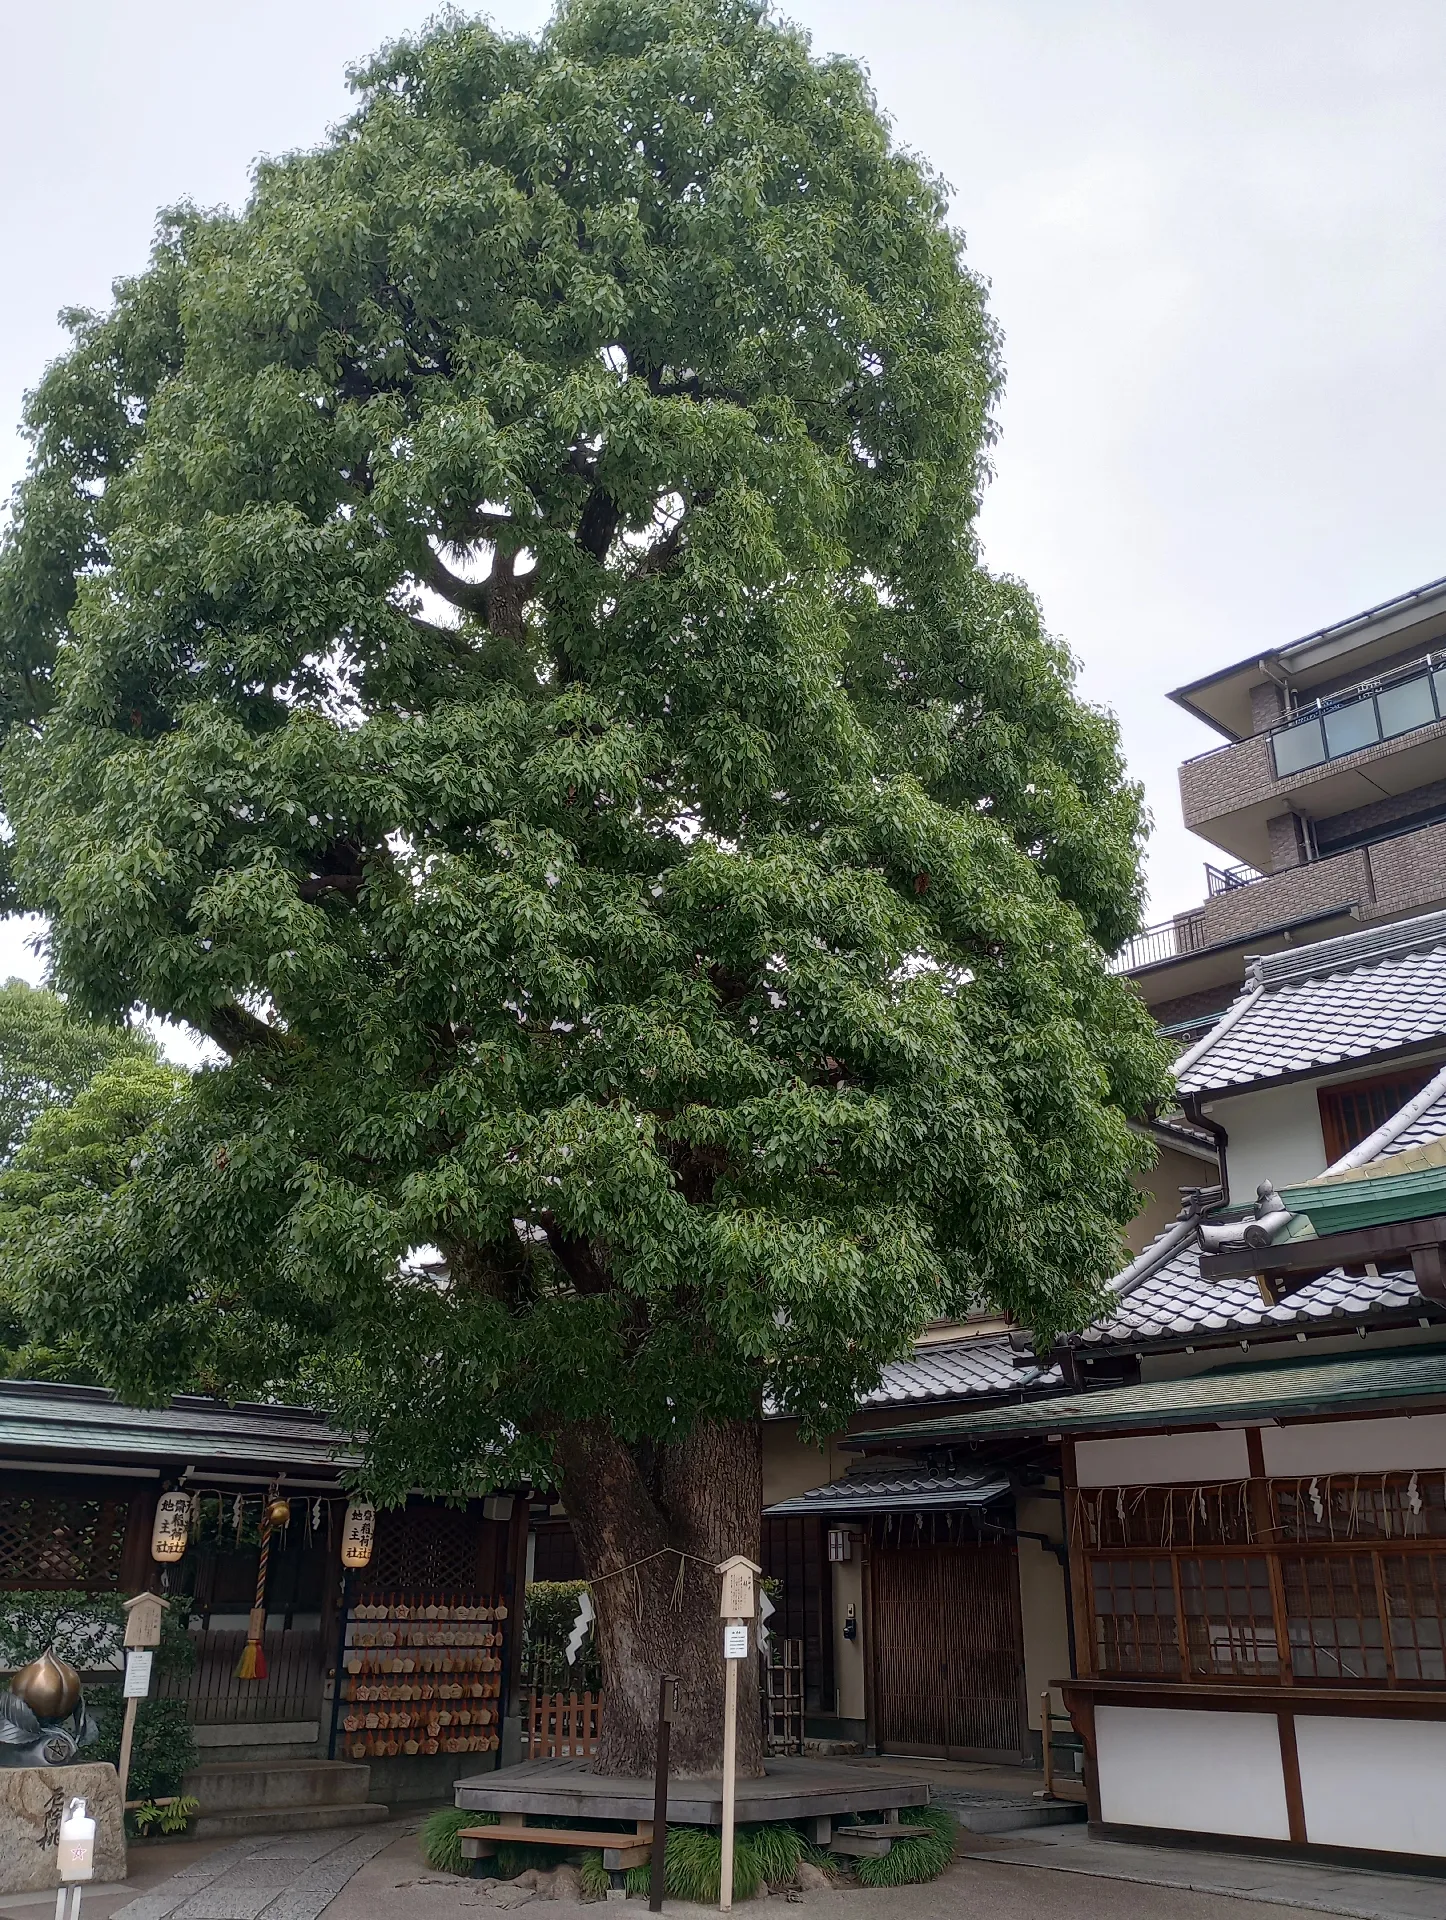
[
  {"x": 1405, "y": 706},
  {"x": 1299, "y": 746},
  {"x": 1348, "y": 729},
  {"x": 1438, "y": 679}
]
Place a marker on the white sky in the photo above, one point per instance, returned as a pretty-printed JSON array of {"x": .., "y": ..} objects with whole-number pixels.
[{"x": 1214, "y": 236}]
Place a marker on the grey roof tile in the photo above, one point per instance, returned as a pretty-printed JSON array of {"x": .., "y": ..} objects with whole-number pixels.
[
  {"x": 981, "y": 1365},
  {"x": 1343, "y": 1000},
  {"x": 1174, "y": 1300}
]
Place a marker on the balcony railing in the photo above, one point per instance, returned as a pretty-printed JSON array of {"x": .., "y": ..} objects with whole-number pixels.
[
  {"x": 1377, "y": 710},
  {"x": 1167, "y": 941},
  {"x": 1227, "y": 879}
]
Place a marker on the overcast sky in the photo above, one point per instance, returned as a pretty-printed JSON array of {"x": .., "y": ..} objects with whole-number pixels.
[{"x": 1214, "y": 238}]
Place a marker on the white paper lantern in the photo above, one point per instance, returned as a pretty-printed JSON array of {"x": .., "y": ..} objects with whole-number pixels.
[
  {"x": 172, "y": 1529},
  {"x": 358, "y": 1535}
]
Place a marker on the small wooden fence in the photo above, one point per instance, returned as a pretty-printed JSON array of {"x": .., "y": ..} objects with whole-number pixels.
[
  {"x": 562, "y": 1726},
  {"x": 215, "y": 1697}
]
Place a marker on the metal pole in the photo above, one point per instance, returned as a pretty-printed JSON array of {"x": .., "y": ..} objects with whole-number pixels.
[
  {"x": 657, "y": 1877},
  {"x": 336, "y": 1672},
  {"x": 730, "y": 1762}
]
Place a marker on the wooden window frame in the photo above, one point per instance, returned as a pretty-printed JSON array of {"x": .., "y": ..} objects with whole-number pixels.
[
  {"x": 1283, "y": 1553},
  {"x": 1328, "y": 1099}
]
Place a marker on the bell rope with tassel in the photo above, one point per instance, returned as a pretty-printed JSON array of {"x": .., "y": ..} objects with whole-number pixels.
[{"x": 252, "y": 1665}]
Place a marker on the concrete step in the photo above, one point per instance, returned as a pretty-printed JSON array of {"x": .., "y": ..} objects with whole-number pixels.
[
  {"x": 243, "y": 1824},
  {"x": 238, "y": 1786},
  {"x": 1006, "y": 1812},
  {"x": 270, "y": 1741}
]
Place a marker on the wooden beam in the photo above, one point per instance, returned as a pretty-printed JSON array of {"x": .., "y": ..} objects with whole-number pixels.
[{"x": 1290, "y": 1263}]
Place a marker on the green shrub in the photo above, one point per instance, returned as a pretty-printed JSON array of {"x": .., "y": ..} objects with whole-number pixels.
[
  {"x": 548, "y": 1614},
  {"x": 693, "y": 1866},
  {"x": 441, "y": 1849},
  {"x": 166, "y": 1817},
  {"x": 163, "y": 1749},
  {"x": 87, "y": 1629},
  {"x": 907, "y": 1861},
  {"x": 595, "y": 1881},
  {"x": 776, "y": 1849}
]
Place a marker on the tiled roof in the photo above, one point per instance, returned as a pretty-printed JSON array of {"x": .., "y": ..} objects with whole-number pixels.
[
  {"x": 1173, "y": 1302},
  {"x": 87, "y": 1420},
  {"x": 982, "y": 1365},
  {"x": 907, "y": 1490},
  {"x": 1346, "y": 1382},
  {"x": 1339, "y": 1001},
  {"x": 1429, "y": 1125}
]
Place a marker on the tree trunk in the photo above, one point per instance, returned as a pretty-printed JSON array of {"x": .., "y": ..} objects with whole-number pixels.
[{"x": 652, "y": 1524}]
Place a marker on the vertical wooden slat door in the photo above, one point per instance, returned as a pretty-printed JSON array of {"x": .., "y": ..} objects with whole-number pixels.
[{"x": 949, "y": 1651}]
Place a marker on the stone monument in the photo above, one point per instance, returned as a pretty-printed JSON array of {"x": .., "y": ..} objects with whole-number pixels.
[{"x": 32, "y": 1805}]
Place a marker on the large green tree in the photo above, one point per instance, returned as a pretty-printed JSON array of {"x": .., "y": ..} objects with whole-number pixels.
[
  {"x": 494, "y": 636},
  {"x": 49, "y": 1054}
]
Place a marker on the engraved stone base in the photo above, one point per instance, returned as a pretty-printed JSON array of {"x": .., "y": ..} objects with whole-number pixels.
[{"x": 32, "y": 1805}]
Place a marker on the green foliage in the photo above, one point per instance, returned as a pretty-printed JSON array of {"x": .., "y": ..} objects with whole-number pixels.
[
  {"x": 550, "y": 1610},
  {"x": 594, "y": 1876},
  {"x": 163, "y": 1748},
  {"x": 48, "y": 1054},
  {"x": 693, "y": 1865},
  {"x": 922, "y": 1858},
  {"x": 87, "y": 1629},
  {"x": 441, "y": 1849},
  {"x": 75, "y": 1157},
  {"x": 494, "y": 635},
  {"x": 166, "y": 1816},
  {"x": 776, "y": 1850}
]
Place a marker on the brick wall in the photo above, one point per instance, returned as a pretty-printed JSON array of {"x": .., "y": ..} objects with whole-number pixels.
[
  {"x": 1287, "y": 848},
  {"x": 1243, "y": 775},
  {"x": 1226, "y": 780},
  {"x": 1409, "y": 873},
  {"x": 1293, "y": 895}
]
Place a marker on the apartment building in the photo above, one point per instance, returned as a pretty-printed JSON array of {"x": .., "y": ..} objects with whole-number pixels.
[{"x": 1327, "y": 801}]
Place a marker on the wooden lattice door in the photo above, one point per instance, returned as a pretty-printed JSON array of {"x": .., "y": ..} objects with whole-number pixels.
[{"x": 948, "y": 1650}]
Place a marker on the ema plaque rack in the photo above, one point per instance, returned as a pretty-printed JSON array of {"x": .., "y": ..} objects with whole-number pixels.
[{"x": 421, "y": 1673}]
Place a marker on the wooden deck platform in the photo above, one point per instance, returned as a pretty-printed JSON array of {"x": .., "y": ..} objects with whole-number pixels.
[{"x": 791, "y": 1789}]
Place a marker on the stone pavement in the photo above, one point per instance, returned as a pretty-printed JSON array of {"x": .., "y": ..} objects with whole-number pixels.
[
  {"x": 294, "y": 1876},
  {"x": 1277, "y": 1883},
  {"x": 376, "y": 1873}
]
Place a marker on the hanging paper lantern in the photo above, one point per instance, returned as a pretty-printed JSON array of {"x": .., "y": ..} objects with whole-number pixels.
[
  {"x": 172, "y": 1527},
  {"x": 358, "y": 1534}
]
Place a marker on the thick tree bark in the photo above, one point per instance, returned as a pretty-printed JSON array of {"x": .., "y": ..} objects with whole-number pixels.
[{"x": 651, "y": 1525}]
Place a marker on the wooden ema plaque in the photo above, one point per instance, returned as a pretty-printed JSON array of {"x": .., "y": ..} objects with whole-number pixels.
[{"x": 421, "y": 1673}]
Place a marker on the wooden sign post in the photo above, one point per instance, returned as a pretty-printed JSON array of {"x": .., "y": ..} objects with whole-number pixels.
[
  {"x": 143, "y": 1632},
  {"x": 737, "y": 1608}
]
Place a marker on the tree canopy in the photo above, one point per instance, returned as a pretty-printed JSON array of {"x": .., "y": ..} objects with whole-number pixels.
[
  {"x": 494, "y": 635},
  {"x": 48, "y": 1054}
]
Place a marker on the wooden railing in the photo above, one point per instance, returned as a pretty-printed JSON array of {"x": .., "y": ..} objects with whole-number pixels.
[
  {"x": 562, "y": 1726},
  {"x": 215, "y": 1697}
]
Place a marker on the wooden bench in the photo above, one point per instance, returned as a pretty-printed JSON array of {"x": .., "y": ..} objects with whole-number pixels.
[
  {"x": 871, "y": 1840},
  {"x": 619, "y": 1850}
]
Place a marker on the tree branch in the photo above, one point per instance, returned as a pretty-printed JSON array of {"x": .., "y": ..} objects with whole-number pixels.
[
  {"x": 235, "y": 1031},
  {"x": 471, "y": 596},
  {"x": 598, "y": 524}
]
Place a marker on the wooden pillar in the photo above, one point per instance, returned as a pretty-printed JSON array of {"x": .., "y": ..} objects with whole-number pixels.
[
  {"x": 138, "y": 1572},
  {"x": 1082, "y": 1619}
]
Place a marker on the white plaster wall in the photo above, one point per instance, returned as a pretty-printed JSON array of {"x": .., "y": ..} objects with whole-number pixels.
[
  {"x": 790, "y": 1468},
  {"x": 1042, "y": 1604},
  {"x": 1397, "y": 1445},
  {"x": 1373, "y": 1783},
  {"x": 1274, "y": 1134},
  {"x": 1157, "y": 1459},
  {"x": 1199, "y": 1772}
]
